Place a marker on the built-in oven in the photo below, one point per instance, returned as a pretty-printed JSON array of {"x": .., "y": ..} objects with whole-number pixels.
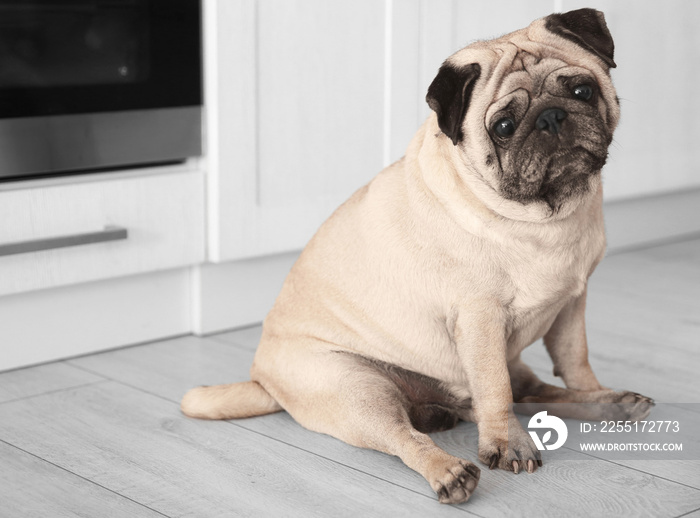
[{"x": 89, "y": 85}]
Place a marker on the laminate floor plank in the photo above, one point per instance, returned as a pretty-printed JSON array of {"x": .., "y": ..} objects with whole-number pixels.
[
  {"x": 670, "y": 327},
  {"x": 247, "y": 337},
  {"x": 172, "y": 367},
  {"x": 31, "y": 487},
  {"x": 31, "y": 381},
  {"x": 168, "y": 369},
  {"x": 685, "y": 472},
  {"x": 139, "y": 446},
  {"x": 648, "y": 295}
]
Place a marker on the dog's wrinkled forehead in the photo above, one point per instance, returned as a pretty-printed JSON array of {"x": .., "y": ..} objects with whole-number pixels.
[{"x": 528, "y": 72}]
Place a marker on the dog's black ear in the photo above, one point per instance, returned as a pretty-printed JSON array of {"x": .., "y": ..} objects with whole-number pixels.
[
  {"x": 586, "y": 28},
  {"x": 448, "y": 96}
]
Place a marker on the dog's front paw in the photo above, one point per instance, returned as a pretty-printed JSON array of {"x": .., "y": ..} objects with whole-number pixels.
[
  {"x": 515, "y": 453},
  {"x": 630, "y": 406}
]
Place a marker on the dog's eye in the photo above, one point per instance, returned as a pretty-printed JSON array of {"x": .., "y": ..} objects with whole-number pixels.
[
  {"x": 583, "y": 92},
  {"x": 504, "y": 127}
]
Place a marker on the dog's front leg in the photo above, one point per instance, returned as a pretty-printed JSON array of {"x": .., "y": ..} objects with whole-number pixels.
[
  {"x": 568, "y": 347},
  {"x": 480, "y": 338}
]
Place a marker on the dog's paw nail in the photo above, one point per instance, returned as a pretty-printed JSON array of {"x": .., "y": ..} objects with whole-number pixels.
[
  {"x": 530, "y": 466},
  {"x": 493, "y": 464},
  {"x": 646, "y": 400},
  {"x": 472, "y": 470},
  {"x": 516, "y": 467}
]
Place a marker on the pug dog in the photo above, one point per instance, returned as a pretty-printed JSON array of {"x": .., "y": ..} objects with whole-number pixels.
[{"x": 409, "y": 308}]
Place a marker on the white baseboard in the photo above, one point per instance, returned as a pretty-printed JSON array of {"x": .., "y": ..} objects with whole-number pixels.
[
  {"x": 645, "y": 221},
  {"x": 51, "y": 324},
  {"x": 237, "y": 293}
]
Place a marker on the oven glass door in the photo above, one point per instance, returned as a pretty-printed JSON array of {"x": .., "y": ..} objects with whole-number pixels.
[{"x": 60, "y": 57}]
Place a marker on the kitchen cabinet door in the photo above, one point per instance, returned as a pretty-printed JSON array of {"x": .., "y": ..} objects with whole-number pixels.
[{"x": 295, "y": 117}]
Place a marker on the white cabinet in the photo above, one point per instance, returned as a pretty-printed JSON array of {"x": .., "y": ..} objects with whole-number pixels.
[
  {"x": 161, "y": 209},
  {"x": 295, "y": 109}
]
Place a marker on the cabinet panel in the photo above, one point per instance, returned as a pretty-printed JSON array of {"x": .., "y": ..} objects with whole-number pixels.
[
  {"x": 320, "y": 98},
  {"x": 295, "y": 97},
  {"x": 404, "y": 110},
  {"x": 162, "y": 213}
]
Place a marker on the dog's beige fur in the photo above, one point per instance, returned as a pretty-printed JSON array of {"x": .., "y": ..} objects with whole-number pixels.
[{"x": 413, "y": 302}]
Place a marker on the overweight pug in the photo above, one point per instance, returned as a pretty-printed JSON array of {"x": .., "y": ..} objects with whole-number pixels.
[{"x": 409, "y": 308}]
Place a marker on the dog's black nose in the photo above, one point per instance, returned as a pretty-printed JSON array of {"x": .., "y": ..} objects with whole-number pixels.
[{"x": 550, "y": 120}]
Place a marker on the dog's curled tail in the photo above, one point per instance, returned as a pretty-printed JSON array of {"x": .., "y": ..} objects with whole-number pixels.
[{"x": 232, "y": 401}]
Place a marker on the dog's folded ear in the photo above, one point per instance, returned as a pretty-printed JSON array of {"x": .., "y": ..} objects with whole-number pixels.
[
  {"x": 586, "y": 28},
  {"x": 448, "y": 96}
]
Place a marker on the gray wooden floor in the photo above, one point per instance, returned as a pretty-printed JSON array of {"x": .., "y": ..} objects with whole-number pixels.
[{"x": 102, "y": 435}]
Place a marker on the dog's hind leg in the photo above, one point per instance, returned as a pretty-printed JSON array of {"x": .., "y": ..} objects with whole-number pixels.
[{"x": 344, "y": 396}]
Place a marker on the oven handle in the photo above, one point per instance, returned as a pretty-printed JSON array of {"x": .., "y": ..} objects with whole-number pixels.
[{"x": 110, "y": 233}]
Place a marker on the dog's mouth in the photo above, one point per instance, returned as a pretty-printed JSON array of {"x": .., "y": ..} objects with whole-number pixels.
[
  {"x": 552, "y": 177},
  {"x": 553, "y": 169},
  {"x": 568, "y": 175}
]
